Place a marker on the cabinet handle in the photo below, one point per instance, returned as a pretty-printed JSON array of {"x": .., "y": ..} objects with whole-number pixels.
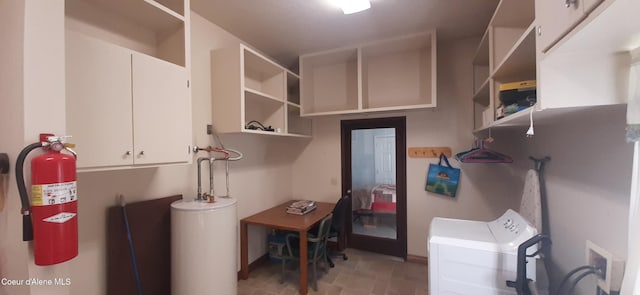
[
  {"x": 141, "y": 153},
  {"x": 128, "y": 153},
  {"x": 568, "y": 3}
]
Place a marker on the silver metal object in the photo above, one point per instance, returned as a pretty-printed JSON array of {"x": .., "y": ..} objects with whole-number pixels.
[
  {"x": 212, "y": 159},
  {"x": 200, "y": 160},
  {"x": 568, "y": 3},
  {"x": 128, "y": 153}
]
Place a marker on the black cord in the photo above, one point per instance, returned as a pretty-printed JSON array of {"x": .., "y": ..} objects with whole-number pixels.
[
  {"x": 580, "y": 277},
  {"x": 251, "y": 125},
  {"x": 571, "y": 273}
]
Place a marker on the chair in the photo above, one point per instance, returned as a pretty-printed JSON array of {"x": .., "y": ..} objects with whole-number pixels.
[
  {"x": 316, "y": 249},
  {"x": 337, "y": 226}
]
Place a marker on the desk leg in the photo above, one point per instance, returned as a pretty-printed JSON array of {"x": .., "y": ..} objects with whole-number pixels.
[
  {"x": 303, "y": 262},
  {"x": 244, "y": 251}
]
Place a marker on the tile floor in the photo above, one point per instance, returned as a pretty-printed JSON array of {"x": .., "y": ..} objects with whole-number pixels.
[{"x": 364, "y": 273}]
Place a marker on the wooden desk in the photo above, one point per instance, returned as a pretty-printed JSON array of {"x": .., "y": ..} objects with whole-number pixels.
[{"x": 278, "y": 218}]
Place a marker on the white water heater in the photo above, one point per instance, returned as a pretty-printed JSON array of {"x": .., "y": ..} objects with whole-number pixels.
[{"x": 204, "y": 247}]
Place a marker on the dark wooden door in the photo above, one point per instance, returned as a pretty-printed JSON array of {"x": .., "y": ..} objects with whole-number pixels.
[{"x": 378, "y": 213}]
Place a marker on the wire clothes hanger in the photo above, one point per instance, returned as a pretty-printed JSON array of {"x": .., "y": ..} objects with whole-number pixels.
[{"x": 482, "y": 154}]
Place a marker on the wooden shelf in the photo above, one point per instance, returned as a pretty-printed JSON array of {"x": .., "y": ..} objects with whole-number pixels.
[
  {"x": 145, "y": 26},
  {"x": 400, "y": 69},
  {"x": 520, "y": 118},
  {"x": 272, "y": 133},
  {"x": 295, "y": 123},
  {"x": 256, "y": 95},
  {"x": 482, "y": 96},
  {"x": 329, "y": 81},
  {"x": 330, "y": 113},
  {"x": 506, "y": 53},
  {"x": 387, "y": 75},
  {"x": 293, "y": 88},
  {"x": 247, "y": 86},
  {"x": 520, "y": 60},
  {"x": 174, "y": 6},
  {"x": 513, "y": 13},
  {"x": 263, "y": 75},
  {"x": 147, "y": 13},
  {"x": 266, "y": 110}
]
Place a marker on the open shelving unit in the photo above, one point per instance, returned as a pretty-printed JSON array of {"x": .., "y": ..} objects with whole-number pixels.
[
  {"x": 155, "y": 28},
  {"x": 507, "y": 53},
  {"x": 330, "y": 82},
  {"x": 247, "y": 88},
  {"x": 394, "y": 74}
]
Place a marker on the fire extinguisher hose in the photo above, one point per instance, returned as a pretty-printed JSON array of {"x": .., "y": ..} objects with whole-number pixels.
[{"x": 27, "y": 226}]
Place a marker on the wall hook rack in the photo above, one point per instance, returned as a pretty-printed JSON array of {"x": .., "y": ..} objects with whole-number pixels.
[{"x": 429, "y": 152}]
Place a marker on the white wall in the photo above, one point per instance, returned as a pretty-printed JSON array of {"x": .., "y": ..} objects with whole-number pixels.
[
  {"x": 259, "y": 181},
  {"x": 262, "y": 179},
  {"x": 13, "y": 251},
  {"x": 33, "y": 83},
  {"x": 317, "y": 174},
  {"x": 588, "y": 182}
]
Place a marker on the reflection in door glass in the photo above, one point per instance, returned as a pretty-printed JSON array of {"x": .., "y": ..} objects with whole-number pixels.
[{"x": 373, "y": 182}]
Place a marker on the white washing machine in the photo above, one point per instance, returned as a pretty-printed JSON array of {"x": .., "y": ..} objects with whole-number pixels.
[{"x": 474, "y": 257}]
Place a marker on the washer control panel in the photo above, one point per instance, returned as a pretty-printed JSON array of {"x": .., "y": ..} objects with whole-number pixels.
[{"x": 511, "y": 229}]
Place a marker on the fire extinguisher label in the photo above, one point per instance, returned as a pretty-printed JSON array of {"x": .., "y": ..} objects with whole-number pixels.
[
  {"x": 61, "y": 217},
  {"x": 53, "y": 194}
]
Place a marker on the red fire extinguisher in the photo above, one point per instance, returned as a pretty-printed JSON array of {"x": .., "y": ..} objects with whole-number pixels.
[{"x": 50, "y": 219}]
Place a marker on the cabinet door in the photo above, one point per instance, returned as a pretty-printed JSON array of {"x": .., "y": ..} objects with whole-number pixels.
[
  {"x": 98, "y": 103},
  {"x": 556, "y": 19},
  {"x": 161, "y": 111},
  {"x": 590, "y": 5}
]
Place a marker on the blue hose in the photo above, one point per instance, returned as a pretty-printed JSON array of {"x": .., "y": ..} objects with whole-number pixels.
[{"x": 131, "y": 249}]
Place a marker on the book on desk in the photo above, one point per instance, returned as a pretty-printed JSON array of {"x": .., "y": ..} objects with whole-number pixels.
[{"x": 301, "y": 207}]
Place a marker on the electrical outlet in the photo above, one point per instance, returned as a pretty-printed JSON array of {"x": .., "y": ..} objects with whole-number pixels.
[
  {"x": 610, "y": 268},
  {"x": 209, "y": 129}
]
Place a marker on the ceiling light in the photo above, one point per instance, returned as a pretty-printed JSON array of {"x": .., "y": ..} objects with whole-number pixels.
[{"x": 353, "y": 6}]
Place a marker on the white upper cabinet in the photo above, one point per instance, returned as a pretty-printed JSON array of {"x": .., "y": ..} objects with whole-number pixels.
[
  {"x": 557, "y": 17},
  {"x": 388, "y": 75},
  {"x": 252, "y": 94},
  {"x": 161, "y": 111},
  {"x": 589, "y": 66},
  {"x": 124, "y": 108},
  {"x": 577, "y": 52},
  {"x": 99, "y": 110}
]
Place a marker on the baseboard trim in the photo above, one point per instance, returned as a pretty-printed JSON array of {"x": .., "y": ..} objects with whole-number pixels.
[
  {"x": 256, "y": 263},
  {"x": 417, "y": 259}
]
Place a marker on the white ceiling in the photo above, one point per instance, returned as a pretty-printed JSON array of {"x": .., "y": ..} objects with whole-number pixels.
[{"x": 285, "y": 29}]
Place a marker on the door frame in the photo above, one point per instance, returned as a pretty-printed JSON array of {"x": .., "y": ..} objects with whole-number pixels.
[{"x": 397, "y": 247}]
